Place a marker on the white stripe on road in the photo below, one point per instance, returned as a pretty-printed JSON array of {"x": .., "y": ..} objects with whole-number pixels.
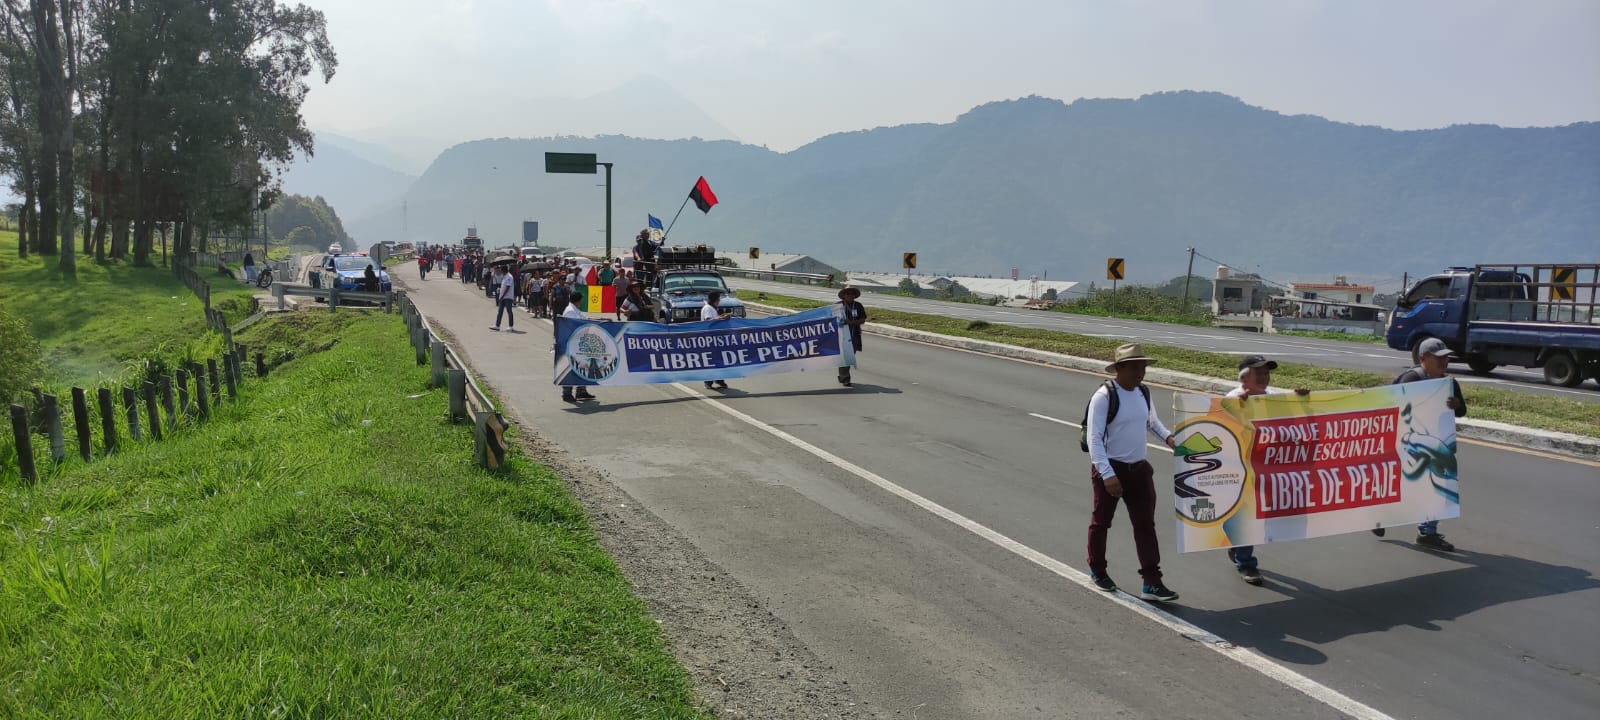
[
  {"x": 1249, "y": 658},
  {"x": 1069, "y": 423}
]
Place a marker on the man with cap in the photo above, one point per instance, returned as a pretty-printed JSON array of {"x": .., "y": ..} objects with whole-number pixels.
[
  {"x": 1255, "y": 378},
  {"x": 1121, "y": 472},
  {"x": 853, "y": 317},
  {"x": 1433, "y": 357}
]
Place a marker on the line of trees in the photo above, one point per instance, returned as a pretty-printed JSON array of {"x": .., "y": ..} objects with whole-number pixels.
[{"x": 133, "y": 116}]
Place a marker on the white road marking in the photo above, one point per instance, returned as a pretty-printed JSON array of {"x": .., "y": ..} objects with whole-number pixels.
[
  {"x": 1069, "y": 423},
  {"x": 1244, "y": 656}
]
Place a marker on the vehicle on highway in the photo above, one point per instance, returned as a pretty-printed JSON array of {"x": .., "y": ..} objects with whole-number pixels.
[
  {"x": 530, "y": 251},
  {"x": 683, "y": 278},
  {"x": 347, "y": 272},
  {"x": 472, "y": 241},
  {"x": 335, "y": 249},
  {"x": 1534, "y": 316}
]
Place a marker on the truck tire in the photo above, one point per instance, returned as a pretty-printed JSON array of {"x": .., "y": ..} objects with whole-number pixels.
[
  {"x": 1562, "y": 369},
  {"x": 1415, "y": 344},
  {"x": 1480, "y": 364}
]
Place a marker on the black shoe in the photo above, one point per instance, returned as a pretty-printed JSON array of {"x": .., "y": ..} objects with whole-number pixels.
[
  {"x": 1380, "y": 532},
  {"x": 708, "y": 385},
  {"x": 1435, "y": 542},
  {"x": 1158, "y": 593},
  {"x": 722, "y": 384},
  {"x": 586, "y": 396},
  {"x": 570, "y": 399},
  {"x": 1250, "y": 575},
  {"x": 1104, "y": 582}
]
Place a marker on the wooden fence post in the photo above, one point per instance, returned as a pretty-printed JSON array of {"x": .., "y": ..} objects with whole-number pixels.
[
  {"x": 261, "y": 365},
  {"x": 333, "y": 297},
  {"x": 80, "y": 422},
  {"x": 130, "y": 400},
  {"x": 150, "y": 411},
  {"x": 52, "y": 423},
  {"x": 458, "y": 394},
  {"x": 200, "y": 398},
  {"x": 19, "y": 433},
  {"x": 166, "y": 403},
  {"x": 419, "y": 340},
  {"x": 182, "y": 376},
  {"x": 216, "y": 382},
  {"x": 108, "y": 420},
  {"x": 230, "y": 371}
]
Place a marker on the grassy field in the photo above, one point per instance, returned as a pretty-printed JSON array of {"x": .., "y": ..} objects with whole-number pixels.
[
  {"x": 1347, "y": 337},
  {"x": 97, "y": 328},
  {"x": 1536, "y": 411},
  {"x": 323, "y": 547}
]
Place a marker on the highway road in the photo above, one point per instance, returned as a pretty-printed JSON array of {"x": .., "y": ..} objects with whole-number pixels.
[
  {"x": 923, "y": 534},
  {"x": 1315, "y": 351}
]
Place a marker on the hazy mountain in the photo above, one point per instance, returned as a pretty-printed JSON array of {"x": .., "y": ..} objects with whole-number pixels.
[
  {"x": 1054, "y": 187},
  {"x": 351, "y": 184}
]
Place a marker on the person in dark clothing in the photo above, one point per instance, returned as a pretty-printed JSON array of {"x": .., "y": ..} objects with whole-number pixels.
[
  {"x": 369, "y": 280},
  {"x": 638, "y": 306},
  {"x": 855, "y": 315},
  {"x": 1434, "y": 358}
]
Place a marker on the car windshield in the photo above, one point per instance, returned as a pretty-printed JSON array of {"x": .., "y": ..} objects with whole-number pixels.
[
  {"x": 693, "y": 283},
  {"x": 345, "y": 264}
]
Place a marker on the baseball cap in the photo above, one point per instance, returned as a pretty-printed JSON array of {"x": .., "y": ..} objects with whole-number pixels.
[
  {"x": 1433, "y": 346},
  {"x": 1255, "y": 361}
]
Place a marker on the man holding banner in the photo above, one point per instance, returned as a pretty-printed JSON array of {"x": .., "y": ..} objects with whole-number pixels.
[
  {"x": 1435, "y": 358},
  {"x": 1255, "y": 378},
  {"x": 710, "y": 312}
]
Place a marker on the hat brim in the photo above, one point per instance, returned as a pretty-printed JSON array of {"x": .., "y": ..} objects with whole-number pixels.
[
  {"x": 1268, "y": 364},
  {"x": 1113, "y": 366}
]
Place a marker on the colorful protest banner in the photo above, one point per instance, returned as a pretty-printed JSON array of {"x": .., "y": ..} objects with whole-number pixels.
[
  {"x": 637, "y": 353},
  {"x": 1273, "y": 468}
]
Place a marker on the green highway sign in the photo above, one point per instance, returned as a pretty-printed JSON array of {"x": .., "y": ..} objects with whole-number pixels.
[{"x": 583, "y": 163}]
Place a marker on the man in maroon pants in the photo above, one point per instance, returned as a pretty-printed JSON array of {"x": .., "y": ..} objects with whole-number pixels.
[{"x": 1120, "y": 412}]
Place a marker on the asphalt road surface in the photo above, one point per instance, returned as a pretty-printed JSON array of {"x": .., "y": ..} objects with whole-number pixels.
[
  {"x": 923, "y": 533},
  {"x": 1314, "y": 351}
]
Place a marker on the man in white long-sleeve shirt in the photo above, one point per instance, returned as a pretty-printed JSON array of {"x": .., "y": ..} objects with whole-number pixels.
[{"x": 1116, "y": 428}]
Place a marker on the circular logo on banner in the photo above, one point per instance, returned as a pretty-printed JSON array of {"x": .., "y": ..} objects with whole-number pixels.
[
  {"x": 1209, "y": 472},
  {"x": 592, "y": 353}
]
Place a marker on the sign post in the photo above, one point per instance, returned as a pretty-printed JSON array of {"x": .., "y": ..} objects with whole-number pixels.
[
  {"x": 582, "y": 164},
  {"x": 1114, "y": 273}
]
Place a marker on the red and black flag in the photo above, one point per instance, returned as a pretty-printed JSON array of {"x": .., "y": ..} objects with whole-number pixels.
[{"x": 702, "y": 196}]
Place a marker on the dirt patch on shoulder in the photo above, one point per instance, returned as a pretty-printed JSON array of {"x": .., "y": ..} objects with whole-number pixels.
[{"x": 745, "y": 662}]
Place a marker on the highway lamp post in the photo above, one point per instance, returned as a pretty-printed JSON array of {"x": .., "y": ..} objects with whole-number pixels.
[
  {"x": 1186, "y": 276},
  {"x": 582, "y": 164}
]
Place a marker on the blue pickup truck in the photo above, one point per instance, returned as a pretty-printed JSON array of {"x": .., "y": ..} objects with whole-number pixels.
[{"x": 1535, "y": 316}]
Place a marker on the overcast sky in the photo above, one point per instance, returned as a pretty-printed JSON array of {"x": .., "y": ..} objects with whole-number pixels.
[{"x": 784, "y": 72}]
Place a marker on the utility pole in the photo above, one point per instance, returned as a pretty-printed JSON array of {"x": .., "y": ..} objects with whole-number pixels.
[
  {"x": 608, "y": 210},
  {"x": 405, "y": 223},
  {"x": 1186, "y": 276}
]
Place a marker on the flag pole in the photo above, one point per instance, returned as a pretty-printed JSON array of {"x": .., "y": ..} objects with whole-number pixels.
[{"x": 675, "y": 215}]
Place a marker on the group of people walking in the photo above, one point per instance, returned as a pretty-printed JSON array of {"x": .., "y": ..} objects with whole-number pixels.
[{"x": 1121, "y": 472}]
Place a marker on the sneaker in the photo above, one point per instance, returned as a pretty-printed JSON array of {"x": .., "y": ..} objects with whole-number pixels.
[
  {"x": 570, "y": 399},
  {"x": 1380, "y": 532},
  {"x": 494, "y": 327},
  {"x": 1158, "y": 593},
  {"x": 1436, "y": 542},
  {"x": 722, "y": 384},
  {"x": 586, "y": 396},
  {"x": 1104, "y": 582},
  {"x": 1250, "y": 575},
  {"x": 708, "y": 385}
]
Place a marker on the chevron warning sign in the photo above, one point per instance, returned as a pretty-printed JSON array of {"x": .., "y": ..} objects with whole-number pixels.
[
  {"x": 1565, "y": 283},
  {"x": 1114, "y": 268}
]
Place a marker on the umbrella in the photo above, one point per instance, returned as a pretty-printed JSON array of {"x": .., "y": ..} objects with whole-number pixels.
[
  {"x": 537, "y": 266},
  {"x": 503, "y": 260}
]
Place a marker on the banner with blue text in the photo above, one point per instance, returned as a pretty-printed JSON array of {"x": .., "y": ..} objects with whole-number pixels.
[{"x": 640, "y": 353}]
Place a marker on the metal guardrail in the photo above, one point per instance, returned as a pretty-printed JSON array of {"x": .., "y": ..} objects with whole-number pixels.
[
  {"x": 781, "y": 276},
  {"x": 468, "y": 401},
  {"x": 333, "y": 296}
]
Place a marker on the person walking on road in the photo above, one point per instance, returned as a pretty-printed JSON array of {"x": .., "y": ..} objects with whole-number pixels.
[
  {"x": 1255, "y": 378},
  {"x": 1434, "y": 357},
  {"x": 637, "y": 306},
  {"x": 710, "y": 311},
  {"x": 574, "y": 393},
  {"x": 1121, "y": 472},
  {"x": 250, "y": 268},
  {"x": 505, "y": 289},
  {"x": 855, "y": 315}
]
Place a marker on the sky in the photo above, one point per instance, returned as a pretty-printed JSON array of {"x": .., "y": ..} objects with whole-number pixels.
[{"x": 782, "y": 73}]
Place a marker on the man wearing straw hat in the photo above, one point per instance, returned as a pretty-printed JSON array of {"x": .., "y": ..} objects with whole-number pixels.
[{"x": 1115, "y": 428}]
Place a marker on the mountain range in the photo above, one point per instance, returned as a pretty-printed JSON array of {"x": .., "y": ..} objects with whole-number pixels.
[{"x": 1049, "y": 187}]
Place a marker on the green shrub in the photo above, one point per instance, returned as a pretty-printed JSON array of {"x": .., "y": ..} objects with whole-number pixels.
[{"x": 20, "y": 363}]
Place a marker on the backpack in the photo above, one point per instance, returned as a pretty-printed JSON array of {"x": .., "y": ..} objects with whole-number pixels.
[{"x": 1111, "y": 411}]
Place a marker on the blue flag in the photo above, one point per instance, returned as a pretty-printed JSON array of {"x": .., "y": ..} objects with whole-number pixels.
[{"x": 655, "y": 222}]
